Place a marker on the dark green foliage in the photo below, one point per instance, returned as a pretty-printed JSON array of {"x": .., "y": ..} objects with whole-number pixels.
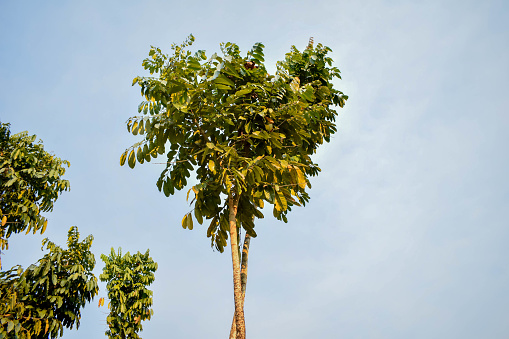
[
  {"x": 30, "y": 182},
  {"x": 130, "y": 300},
  {"x": 48, "y": 296}
]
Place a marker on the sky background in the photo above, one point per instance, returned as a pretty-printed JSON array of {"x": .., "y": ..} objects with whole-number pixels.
[{"x": 406, "y": 234}]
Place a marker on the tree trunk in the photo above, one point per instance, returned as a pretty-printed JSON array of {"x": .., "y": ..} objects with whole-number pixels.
[
  {"x": 243, "y": 281},
  {"x": 239, "y": 305}
]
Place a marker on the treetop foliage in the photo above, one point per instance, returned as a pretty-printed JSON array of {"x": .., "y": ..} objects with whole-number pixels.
[
  {"x": 30, "y": 182},
  {"x": 48, "y": 296},
  {"x": 239, "y": 129},
  {"x": 127, "y": 277}
]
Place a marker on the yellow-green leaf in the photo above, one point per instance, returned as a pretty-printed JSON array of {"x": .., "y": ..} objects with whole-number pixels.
[
  {"x": 139, "y": 155},
  {"x": 223, "y": 80},
  {"x": 131, "y": 161},
  {"x": 243, "y": 92},
  {"x": 189, "y": 221},
  {"x": 282, "y": 200},
  {"x": 184, "y": 221},
  {"x": 134, "y": 128},
  {"x": 277, "y": 205},
  {"x": 212, "y": 166},
  {"x": 123, "y": 158},
  {"x": 302, "y": 178},
  {"x": 44, "y": 226}
]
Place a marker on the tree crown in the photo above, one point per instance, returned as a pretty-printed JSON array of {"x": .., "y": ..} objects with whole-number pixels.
[
  {"x": 30, "y": 183},
  {"x": 127, "y": 277},
  {"x": 48, "y": 296},
  {"x": 241, "y": 130}
]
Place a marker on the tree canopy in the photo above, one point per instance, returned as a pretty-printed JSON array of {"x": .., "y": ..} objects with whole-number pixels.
[
  {"x": 236, "y": 127},
  {"x": 48, "y": 296},
  {"x": 127, "y": 278},
  {"x": 30, "y": 182}
]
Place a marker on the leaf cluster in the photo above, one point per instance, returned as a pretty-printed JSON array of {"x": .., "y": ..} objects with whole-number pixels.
[
  {"x": 30, "y": 182},
  {"x": 48, "y": 296},
  {"x": 238, "y": 129},
  {"x": 127, "y": 277}
]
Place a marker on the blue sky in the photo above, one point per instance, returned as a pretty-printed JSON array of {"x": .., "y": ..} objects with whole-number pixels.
[{"x": 406, "y": 232}]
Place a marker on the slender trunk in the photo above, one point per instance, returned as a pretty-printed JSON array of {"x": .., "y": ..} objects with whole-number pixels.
[
  {"x": 243, "y": 270},
  {"x": 243, "y": 281},
  {"x": 239, "y": 307}
]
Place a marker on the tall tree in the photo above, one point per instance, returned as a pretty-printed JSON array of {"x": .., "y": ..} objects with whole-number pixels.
[
  {"x": 247, "y": 135},
  {"x": 30, "y": 182},
  {"x": 127, "y": 279},
  {"x": 48, "y": 296}
]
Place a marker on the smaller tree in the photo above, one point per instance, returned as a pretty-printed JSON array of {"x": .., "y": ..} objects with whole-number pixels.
[
  {"x": 130, "y": 300},
  {"x": 48, "y": 296},
  {"x": 30, "y": 182}
]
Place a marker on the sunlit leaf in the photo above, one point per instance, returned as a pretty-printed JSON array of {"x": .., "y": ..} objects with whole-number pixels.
[
  {"x": 131, "y": 160},
  {"x": 123, "y": 158},
  {"x": 189, "y": 221}
]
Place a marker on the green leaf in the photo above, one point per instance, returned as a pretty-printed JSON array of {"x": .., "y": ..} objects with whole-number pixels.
[
  {"x": 189, "y": 221},
  {"x": 198, "y": 216},
  {"x": 139, "y": 155},
  {"x": 258, "y": 57},
  {"x": 184, "y": 221},
  {"x": 11, "y": 181},
  {"x": 221, "y": 86},
  {"x": 123, "y": 158},
  {"x": 242, "y": 92},
  {"x": 282, "y": 200},
  {"x": 166, "y": 188},
  {"x": 302, "y": 178},
  {"x": 134, "y": 128},
  {"x": 230, "y": 70},
  {"x": 193, "y": 64},
  {"x": 221, "y": 79},
  {"x": 267, "y": 194},
  {"x": 131, "y": 161}
]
